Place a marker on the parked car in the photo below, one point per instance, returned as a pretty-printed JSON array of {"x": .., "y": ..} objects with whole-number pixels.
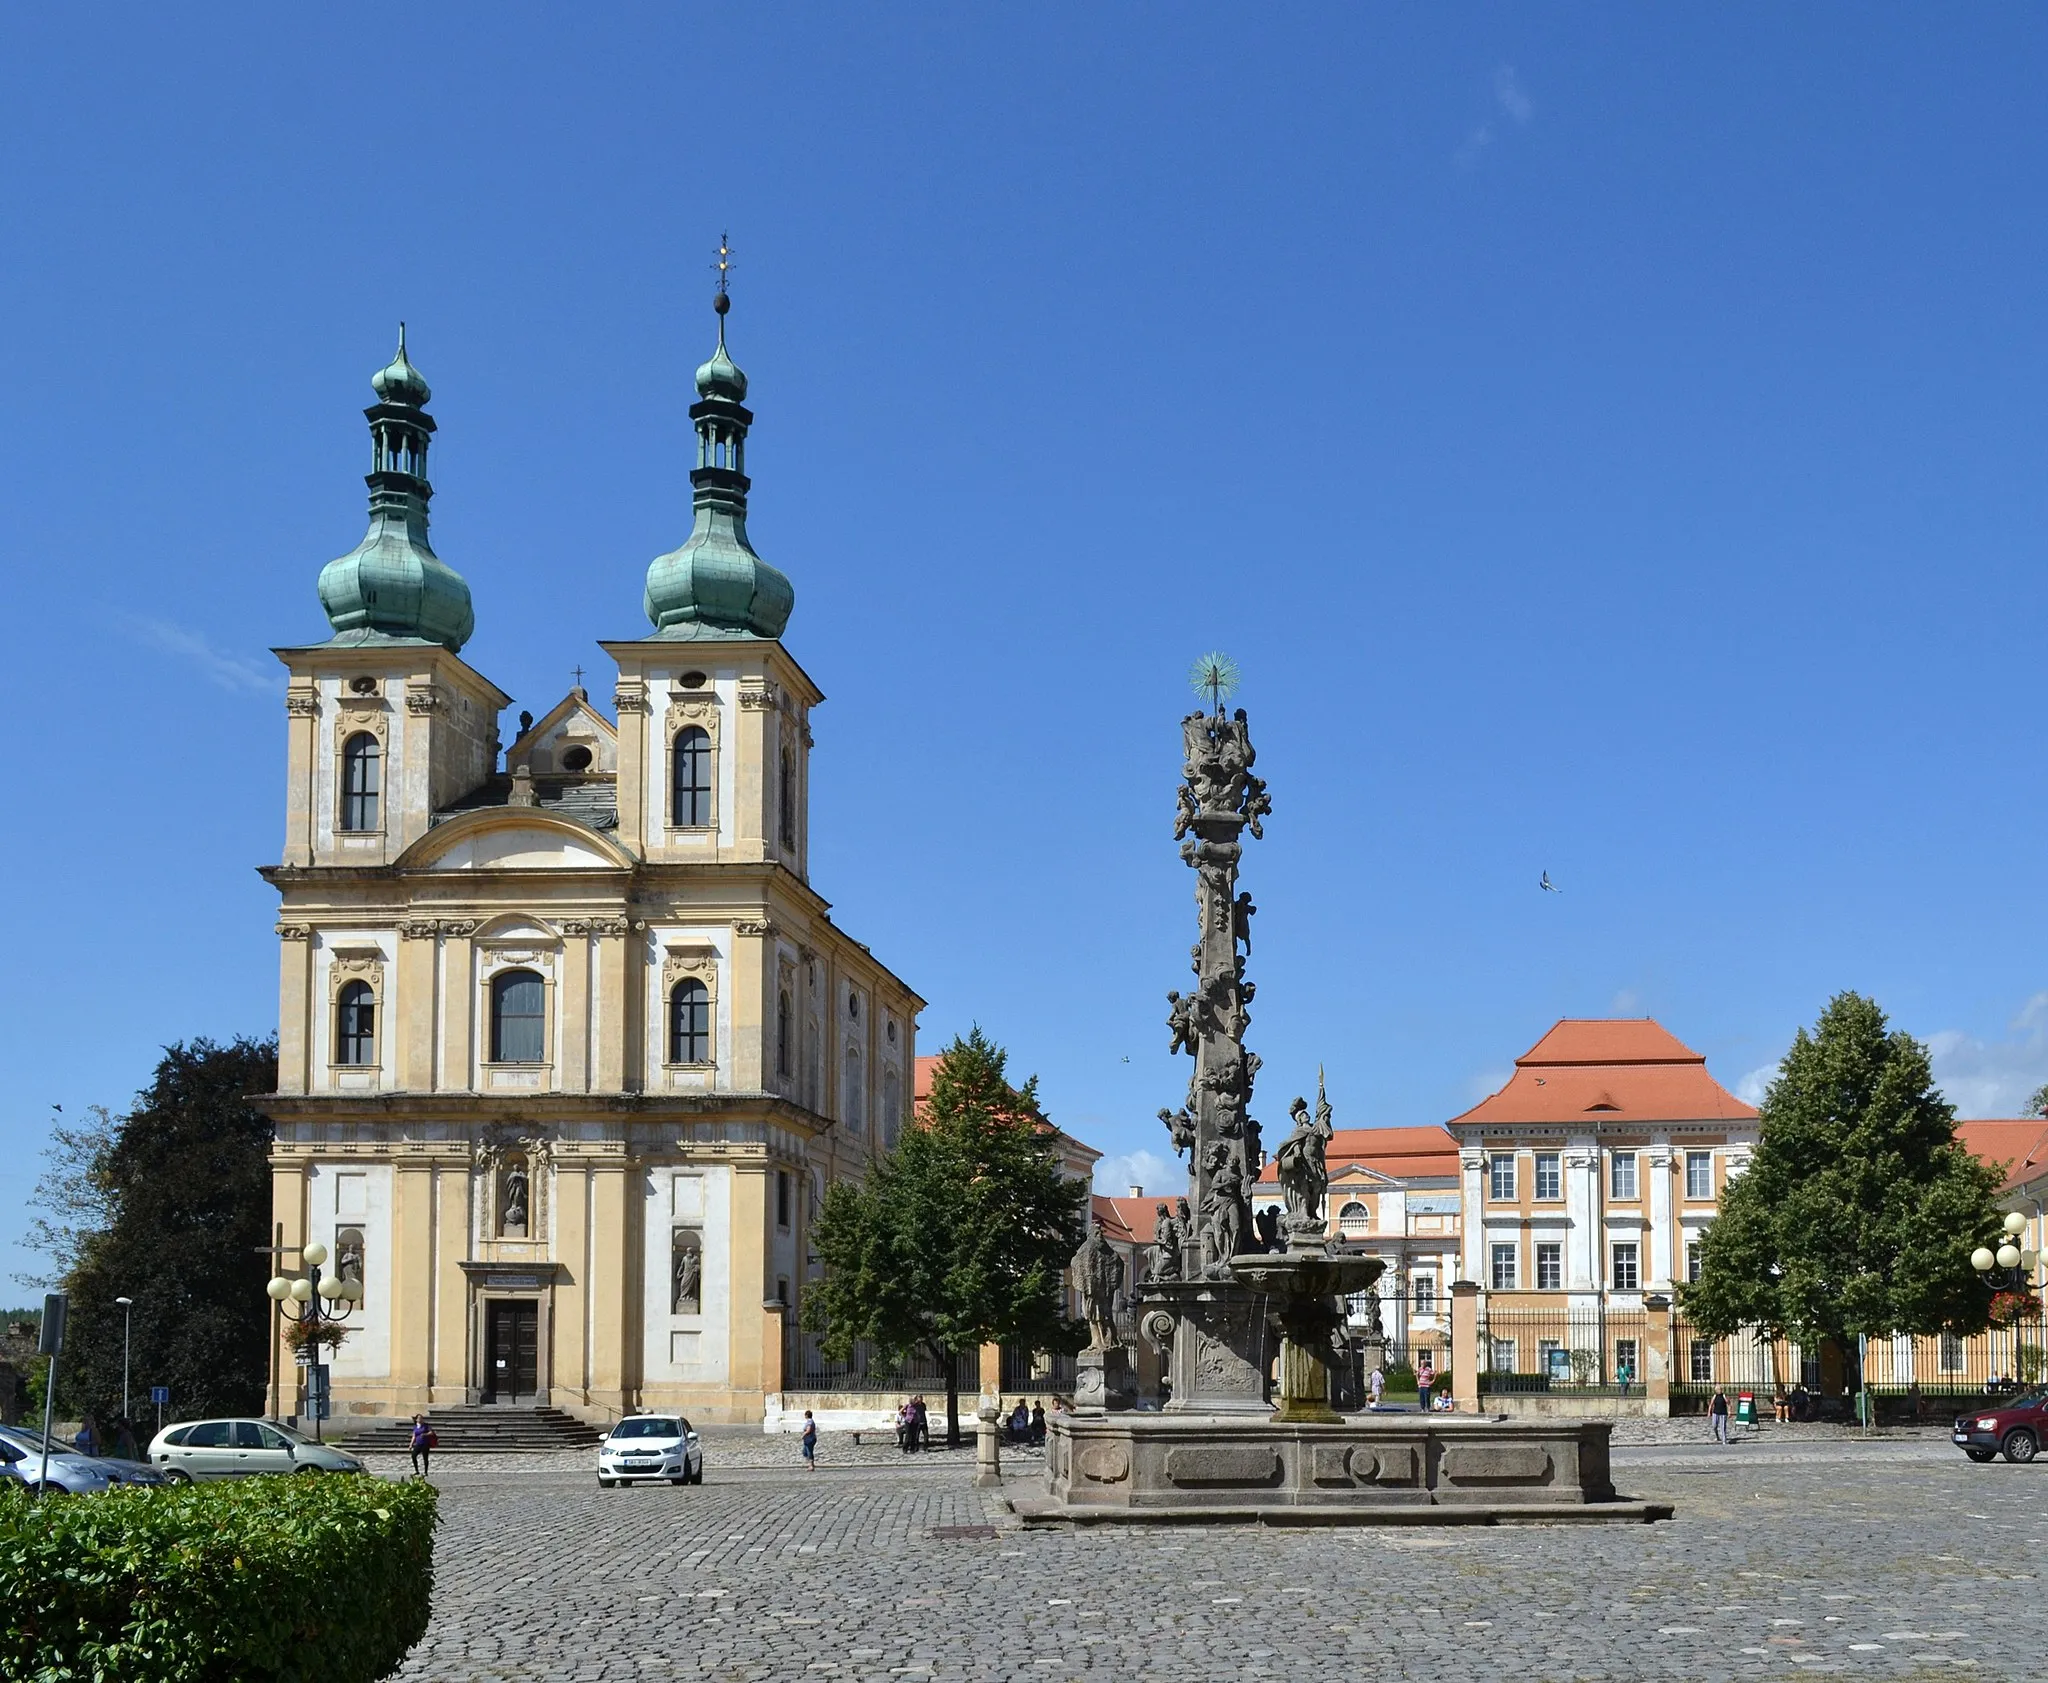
[
  {"x": 196, "y": 1449},
  {"x": 2016, "y": 1426},
  {"x": 71, "y": 1472},
  {"x": 651, "y": 1446}
]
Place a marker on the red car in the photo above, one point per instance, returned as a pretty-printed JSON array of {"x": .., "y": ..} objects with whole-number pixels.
[{"x": 2016, "y": 1425}]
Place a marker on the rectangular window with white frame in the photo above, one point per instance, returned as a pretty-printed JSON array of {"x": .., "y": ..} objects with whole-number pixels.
[
  {"x": 1692, "y": 1260},
  {"x": 1627, "y": 1270},
  {"x": 1425, "y": 1293},
  {"x": 1699, "y": 1176},
  {"x": 1500, "y": 1170},
  {"x": 1550, "y": 1266},
  {"x": 1621, "y": 1175},
  {"x": 1549, "y": 1175},
  {"x": 1504, "y": 1267}
]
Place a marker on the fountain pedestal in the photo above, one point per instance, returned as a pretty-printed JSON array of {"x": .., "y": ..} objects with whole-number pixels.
[{"x": 1304, "y": 1291}]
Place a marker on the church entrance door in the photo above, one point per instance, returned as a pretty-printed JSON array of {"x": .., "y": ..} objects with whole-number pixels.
[{"x": 511, "y": 1351}]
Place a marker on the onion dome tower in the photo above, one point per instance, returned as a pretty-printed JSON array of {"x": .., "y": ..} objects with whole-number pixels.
[
  {"x": 715, "y": 585},
  {"x": 392, "y": 587}
]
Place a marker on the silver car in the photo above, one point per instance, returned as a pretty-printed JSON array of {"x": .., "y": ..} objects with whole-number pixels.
[
  {"x": 71, "y": 1472},
  {"x": 650, "y": 1446},
  {"x": 196, "y": 1449}
]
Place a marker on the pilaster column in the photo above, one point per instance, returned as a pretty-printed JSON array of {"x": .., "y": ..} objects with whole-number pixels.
[
  {"x": 572, "y": 1057},
  {"x": 459, "y": 1009},
  {"x": 753, "y": 956},
  {"x": 294, "y": 1007},
  {"x": 630, "y": 700},
  {"x": 1472, "y": 1199},
  {"x": 411, "y": 1262},
  {"x": 449, "y": 1376},
  {"x": 615, "y": 1320},
  {"x": 1465, "y": 1362},
  {"x": 752, "y": 1222},
  {"x": 751, "y": 783},
  {"x": 410, "y": 1008},
  {"x": 301, "y": 705},
  {"x": 617, "y": 1044},
  {"x": 1658, "y": 1269}
]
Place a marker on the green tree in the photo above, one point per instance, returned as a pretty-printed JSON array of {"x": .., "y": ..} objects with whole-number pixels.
[
  {"x": 2038, "y": 1104},
  {"x": 169, "y": 1206},
  {"x": 960, "y": 1236},
  {"x": 1860, "y": 1209}
]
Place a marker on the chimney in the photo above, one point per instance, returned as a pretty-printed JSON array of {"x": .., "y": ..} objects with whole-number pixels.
[{"x": 1137, "y": 1192}]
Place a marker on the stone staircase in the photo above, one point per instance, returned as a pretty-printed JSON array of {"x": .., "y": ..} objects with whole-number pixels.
[{"x": 474, "y": 1431}]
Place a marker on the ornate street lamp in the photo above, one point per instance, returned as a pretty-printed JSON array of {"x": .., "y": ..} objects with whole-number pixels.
[
  {"x": 317, "y": 1299},
  {"x": 2009, "y": 1267}
]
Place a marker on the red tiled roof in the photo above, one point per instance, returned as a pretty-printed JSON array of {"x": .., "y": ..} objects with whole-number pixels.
[
  {"x": 1133, "y": 1220},
  {"x": 2016, "y": 1145},
  {"x": 1399, "y": 1152},
  {"x": 1621, "y": 1069}
]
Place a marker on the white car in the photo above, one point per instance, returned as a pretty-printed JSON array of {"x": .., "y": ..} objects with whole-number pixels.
[
  {"x": 209, "y": 1449},
  {"x": 651, "y": 1446}
]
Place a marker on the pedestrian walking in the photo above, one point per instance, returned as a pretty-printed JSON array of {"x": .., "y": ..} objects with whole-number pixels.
[
  {"x": 424, "y": 1443},
  {"x": 1425, "y": 1377},
  {"x": 1375, "y": 1386},
  {"x": 125, "y": 1446},
  {"x": 87, "y": 1439},
  {"x": 1717, "y": 1413},
  {"x": 810, "y": 1442}
]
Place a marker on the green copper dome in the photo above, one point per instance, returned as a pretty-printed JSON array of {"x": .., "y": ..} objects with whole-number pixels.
[
  {"x": 715, "y": 585},
  {"x": 392, "y": 587}
]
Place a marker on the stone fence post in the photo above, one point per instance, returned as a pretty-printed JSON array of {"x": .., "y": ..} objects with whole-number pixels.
[
  {"x": 1465, "y": 1345},
  {"x": 1657, "y": 1357},
  {"x": 988, "y": 1442}
]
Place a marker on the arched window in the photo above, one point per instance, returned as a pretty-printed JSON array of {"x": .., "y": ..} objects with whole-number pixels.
[
  {"x": 785, "y": 1064},
  {"x": 1354, "y": 1217},
  {"x": 689, "y": 1023},
  {"x": 892, "y": 1096},
  {"x": 788, "y": 799},
  {"x": 692, "y": 778},
  {"x": 355, "y": 1036},
  {"x": 361, "y": 781},
  {"x": 853, "y": 1101},
  {"x": 518, "y": 1013}
]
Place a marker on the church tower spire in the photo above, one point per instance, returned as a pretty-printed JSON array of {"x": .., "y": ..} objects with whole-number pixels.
[
  {"x": 714, "y": 585},
  {"x": 392, "y": 587}
]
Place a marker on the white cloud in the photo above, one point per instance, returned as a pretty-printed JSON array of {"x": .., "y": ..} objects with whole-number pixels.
[
  {"x": 1488, "y": 1082},
  {"x": 1752, "y": 1087},
  {"x": 1994, "y": 1077},
  {"x": 1115, "y": 1176},
  {"x": 230, "y": 672},
  {"x": 1515, "y": 105},
  {"x": 1507, "y": 88}
]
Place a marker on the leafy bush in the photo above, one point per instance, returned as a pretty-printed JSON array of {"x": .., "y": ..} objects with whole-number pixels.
[
  {"x": 1400, "y": 1376},
  {"x": 311, "y": 1579}
]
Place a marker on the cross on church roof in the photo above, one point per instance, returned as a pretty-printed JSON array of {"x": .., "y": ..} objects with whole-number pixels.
[{"x": 578, "y": 671}]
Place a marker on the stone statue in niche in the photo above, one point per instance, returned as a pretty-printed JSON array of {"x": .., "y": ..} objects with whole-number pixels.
[
  {"x": 686, "y": 1272},
  {"x": 348, "y": 1254},
  {"x": 513, "y": 1223}
]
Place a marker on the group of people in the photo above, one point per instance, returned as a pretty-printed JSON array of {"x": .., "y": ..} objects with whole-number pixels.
[
  {"x": 913, "y": 1426},
  {"x": 1427, "y": 1397},
  {"x": 117, "y": 1440},
  {"x": 1027, "y": 1425}
]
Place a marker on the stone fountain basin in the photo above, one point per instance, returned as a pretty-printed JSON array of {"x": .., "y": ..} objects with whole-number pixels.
[{"x": 1307, "y": 1273}]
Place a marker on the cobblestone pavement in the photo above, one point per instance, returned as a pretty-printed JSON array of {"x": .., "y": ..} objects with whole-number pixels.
[{"x": 1894, "y": 1559}]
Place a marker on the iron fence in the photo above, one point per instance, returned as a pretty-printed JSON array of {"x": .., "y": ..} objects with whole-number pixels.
[
  {"x": 1037, "y": 1371},
  {"x": 806, "y": 1368},
  {"x": 1574, "y": 1350},
  {"x": 1907, "y": 1367}
]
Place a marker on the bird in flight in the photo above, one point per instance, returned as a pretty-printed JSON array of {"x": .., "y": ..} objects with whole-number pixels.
[{"x": 1548, "y": 886}]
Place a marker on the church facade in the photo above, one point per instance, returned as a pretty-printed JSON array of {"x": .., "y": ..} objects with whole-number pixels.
[{"x": 569, "y": 1047}]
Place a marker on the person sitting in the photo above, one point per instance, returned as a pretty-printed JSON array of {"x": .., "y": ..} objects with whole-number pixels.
[
  {"x": 1038, "y": 1425},
  {"x": 1020, "y": 1422}
]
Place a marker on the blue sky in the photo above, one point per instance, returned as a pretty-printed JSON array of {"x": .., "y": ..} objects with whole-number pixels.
[{"x": 1610, "y": 441}]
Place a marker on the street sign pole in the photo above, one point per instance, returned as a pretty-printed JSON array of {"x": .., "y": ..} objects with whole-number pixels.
[{"x": 56, "y": 1305}]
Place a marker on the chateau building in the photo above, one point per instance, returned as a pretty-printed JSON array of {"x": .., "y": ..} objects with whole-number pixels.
[
  {"x": 1595, "y": 1169},
  {"x": 569, "y": 1045}
]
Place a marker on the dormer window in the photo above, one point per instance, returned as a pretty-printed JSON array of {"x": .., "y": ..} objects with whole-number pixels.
[
  {"x": 692, "y": 778},
  {"x": 361, "y": 782}
]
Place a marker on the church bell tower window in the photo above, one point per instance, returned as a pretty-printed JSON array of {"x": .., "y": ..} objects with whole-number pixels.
[
  {"x": 361, "y": 782},
  {"x": 693, "y": 778},
  {"x": 355, "y": 1039},
  {"x": 689, "y": 1023}
]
